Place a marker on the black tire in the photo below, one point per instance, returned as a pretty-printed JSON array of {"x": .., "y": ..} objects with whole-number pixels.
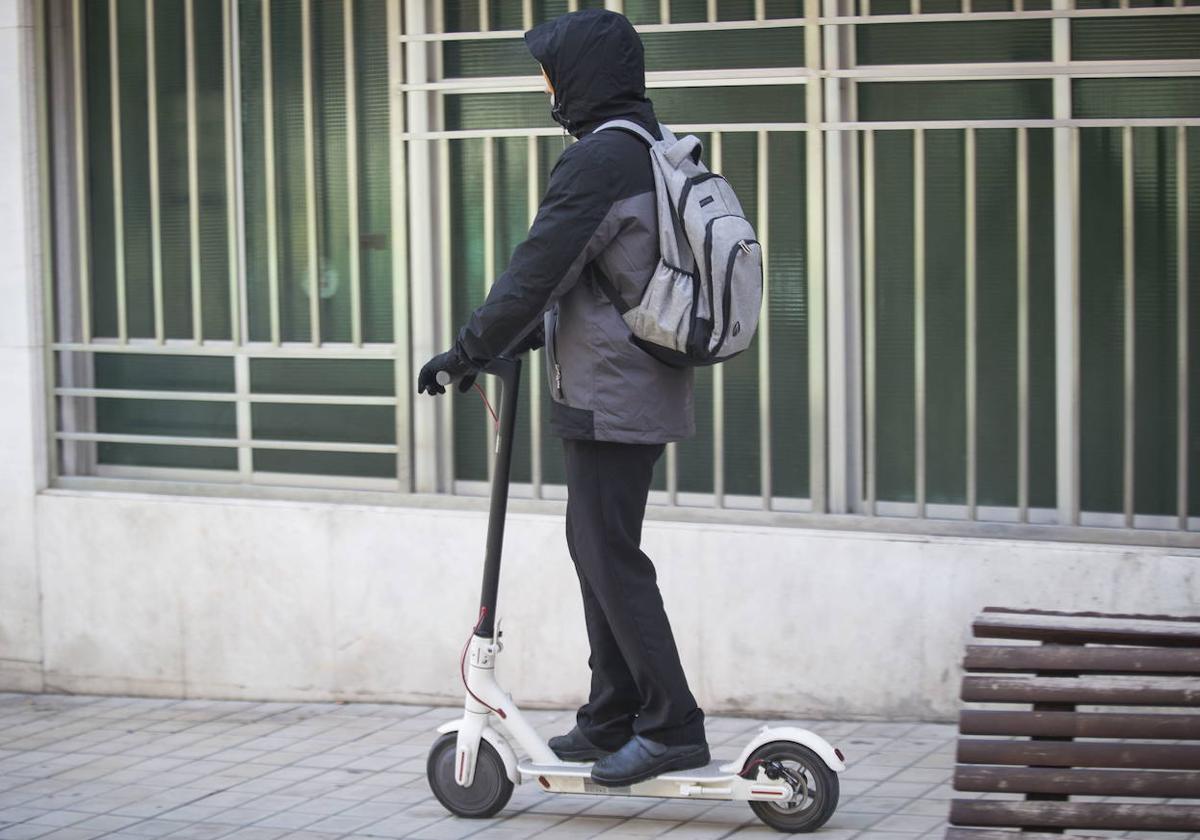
[
  {"x": 489, "y": 791},
  {"x": 815, "y": 804}
]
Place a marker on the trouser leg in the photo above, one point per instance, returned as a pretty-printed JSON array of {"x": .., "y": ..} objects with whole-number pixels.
[
  {"x": 607, "y": 719},
  {"x": 630, "y": 635}
]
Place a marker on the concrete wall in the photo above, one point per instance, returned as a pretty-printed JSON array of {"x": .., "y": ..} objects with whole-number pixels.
[
  {"x": 21, "y": 404},
  {"x": 175, "y": 597}
]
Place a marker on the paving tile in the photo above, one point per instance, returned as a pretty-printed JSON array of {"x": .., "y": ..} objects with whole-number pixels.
[
  {"x": 25, "y": 831},
  {"x": 908, "y": 823}
]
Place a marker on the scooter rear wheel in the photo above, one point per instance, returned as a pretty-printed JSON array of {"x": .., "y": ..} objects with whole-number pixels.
[
  {"x": 814, "y": 804},
  {"x": 489, "y": 790}
]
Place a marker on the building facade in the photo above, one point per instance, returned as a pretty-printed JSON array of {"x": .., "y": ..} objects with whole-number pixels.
[{"x": 237, "y": 227}]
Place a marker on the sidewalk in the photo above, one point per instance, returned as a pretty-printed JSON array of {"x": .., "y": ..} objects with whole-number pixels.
[{"x": 78, "y": 767}]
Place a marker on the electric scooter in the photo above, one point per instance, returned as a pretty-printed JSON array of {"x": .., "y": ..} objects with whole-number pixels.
[{"x": 787, "y": 774}]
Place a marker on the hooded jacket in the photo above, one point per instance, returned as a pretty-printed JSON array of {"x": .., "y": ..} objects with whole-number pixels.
[{"x": 596, "y": 230}]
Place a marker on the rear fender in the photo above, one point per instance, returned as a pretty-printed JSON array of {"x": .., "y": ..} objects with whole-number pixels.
[{"x": 788, "y": 733}]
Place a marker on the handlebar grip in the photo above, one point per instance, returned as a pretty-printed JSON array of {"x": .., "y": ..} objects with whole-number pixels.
[{"x": 444, "y": 378}]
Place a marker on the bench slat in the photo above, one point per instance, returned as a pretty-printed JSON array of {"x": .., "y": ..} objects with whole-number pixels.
[
  {"x": 1082, "y": 629},
  {"x": 1146, "y": 691},
  {"x": 1079, "y": 724},
  {"x": 1091, "y": 614},
  {"x": 1096, "y": 660},
  {"x": 955, "y": 833},
  {"x": 1097, "y": 815},
  {"x": 1079, "y": 754},
  {"x": 1156, "y": 783}
]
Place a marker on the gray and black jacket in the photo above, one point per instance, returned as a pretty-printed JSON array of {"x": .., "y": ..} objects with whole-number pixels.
[{"x": 595, "y": 235}]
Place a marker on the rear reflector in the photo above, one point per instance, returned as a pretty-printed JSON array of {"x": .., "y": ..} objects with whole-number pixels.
[{"x": 838, "y": 753}]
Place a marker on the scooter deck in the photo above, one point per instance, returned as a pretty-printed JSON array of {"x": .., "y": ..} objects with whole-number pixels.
[
  {"x": 707, "y": 774},
  {"x": 708, "y": 782}
]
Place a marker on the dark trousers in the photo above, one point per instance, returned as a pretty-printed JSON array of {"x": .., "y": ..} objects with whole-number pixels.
[{"x": 638, "y": 684}]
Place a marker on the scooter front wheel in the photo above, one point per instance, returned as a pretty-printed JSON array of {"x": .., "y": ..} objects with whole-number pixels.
[
  {"x": 816, "y": 788},
  {"x": 489, "y": 791}
]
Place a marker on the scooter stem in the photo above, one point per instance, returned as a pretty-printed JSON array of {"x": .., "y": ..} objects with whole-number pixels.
[{"x": 508, "y": 371}]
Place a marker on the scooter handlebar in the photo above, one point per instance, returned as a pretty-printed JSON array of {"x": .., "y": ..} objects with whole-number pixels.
[{"x": 501, "y": 367}]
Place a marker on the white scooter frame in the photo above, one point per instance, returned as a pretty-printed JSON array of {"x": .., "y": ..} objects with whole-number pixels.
[{"x": 780, "y": 766}]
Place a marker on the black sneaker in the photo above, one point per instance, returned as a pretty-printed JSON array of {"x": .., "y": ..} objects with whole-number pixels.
[
  {"x": 575, "y": 747},
  {"x": 641, "y": 759}
]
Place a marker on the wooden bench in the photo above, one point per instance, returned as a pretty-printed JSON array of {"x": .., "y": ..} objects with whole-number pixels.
[{"x": 1114, "y": 662}]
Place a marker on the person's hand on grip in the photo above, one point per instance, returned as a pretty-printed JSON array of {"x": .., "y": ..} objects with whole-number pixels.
[{"x": 453, "y": 363}]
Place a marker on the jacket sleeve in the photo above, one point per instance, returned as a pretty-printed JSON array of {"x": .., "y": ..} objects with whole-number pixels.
[{"x": 571, "y": 228}]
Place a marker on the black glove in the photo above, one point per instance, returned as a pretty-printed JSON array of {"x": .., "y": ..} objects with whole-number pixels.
[
  {"x": 533, "y": 340},
  {"x": 454, "y": 363}
]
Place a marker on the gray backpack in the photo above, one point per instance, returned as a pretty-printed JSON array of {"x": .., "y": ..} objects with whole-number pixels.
[{"x": 701, "y": 304}]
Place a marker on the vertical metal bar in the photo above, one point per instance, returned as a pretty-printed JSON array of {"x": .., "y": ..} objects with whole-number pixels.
[
  {"x": 919, "y": 314},
  {"x": 156, "y": 273},
  {"x": 535, "y": 379},
  {"x": 966, "y": 6},
  {"x": 429, "y": 450},
  {"x": 1130, "y": 337},
  {"x": 972, "y": 360},
  {"x": 527, "y": 14},
  {"x": 852, "y": 231},
  {"x": 46, "y": 266},
  {"x": 815, "y": 242},
  {"x": 269, "y": 170},
  {"x": 398, "y": 194},
  {"x": 233, "y": 169},
  {"x": 1066, "y": 279},
  {"x": 915, "y": 7},
  {"x": 352, "y": 172},
  {"x": 193, "y": 172},
  {"x": 864, "y": 7},
  {"x": 445, "y": 301},
  {"x": 485, "y": 16},
  {"x": 1023, "y": 324},
  {"x": 489, "y": 275},
  {"x": 118, "y": 177},
  {"x": 711, "y": 11},
  {"x": 245, "y": 431},
  {"x": 760, "y": 9},
  {"x": 572, "y": 5},
  {"x": 673, "y": 474},
  {"x": 844, "y": 364},
  {"x": 310, "y": 174},
  {"x": 718, "y": 379},
  {"x": 67, "y": 305},
  {"x": 1181, "y": 335},
  {"x": 869, "y": 397},
  {"x": 764, "y": 324},
  {"x": 664, "y": 11},
  {"x": 81, "y": 174}
]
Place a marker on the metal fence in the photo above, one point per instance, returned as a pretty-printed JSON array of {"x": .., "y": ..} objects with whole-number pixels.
[{"x": 882, "y": 376}]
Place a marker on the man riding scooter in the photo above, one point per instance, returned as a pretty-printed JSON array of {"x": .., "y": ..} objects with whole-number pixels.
[{"x": 595, "y": 239}]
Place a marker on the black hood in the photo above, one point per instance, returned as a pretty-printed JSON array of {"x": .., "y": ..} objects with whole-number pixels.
[{"x": 595, "y": 62}]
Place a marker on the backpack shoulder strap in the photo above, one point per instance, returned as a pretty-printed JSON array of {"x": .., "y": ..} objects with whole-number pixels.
[{"x": 632, "y": 128}]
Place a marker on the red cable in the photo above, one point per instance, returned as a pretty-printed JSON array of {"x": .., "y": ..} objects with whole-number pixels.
[
  {"x": 491, "y": 411},
  {"x": 462, "y": 664}
]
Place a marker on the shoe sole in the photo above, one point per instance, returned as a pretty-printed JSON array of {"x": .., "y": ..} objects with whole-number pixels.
[
  {"x": 675, "y": 764},
  {"x": 580, "y": 755}
]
